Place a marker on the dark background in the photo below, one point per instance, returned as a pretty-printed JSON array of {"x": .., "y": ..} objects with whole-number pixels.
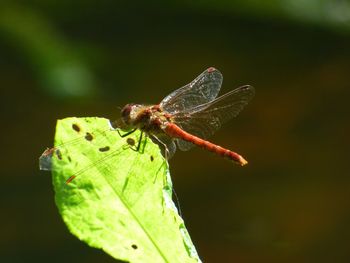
[{"x": 87, "y": 58}]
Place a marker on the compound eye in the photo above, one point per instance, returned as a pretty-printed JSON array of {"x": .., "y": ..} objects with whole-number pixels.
[{"x": 126, "y": 111}]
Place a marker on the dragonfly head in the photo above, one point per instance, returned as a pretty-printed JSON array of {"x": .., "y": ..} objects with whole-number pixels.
[{"x": 129, "y": 113}]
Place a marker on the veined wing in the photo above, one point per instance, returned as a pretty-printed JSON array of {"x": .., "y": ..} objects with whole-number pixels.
[
  {"x": 207, "y": 118},
  {"x": 166, "y": 144},
  {"x": 201, "y": 90}
]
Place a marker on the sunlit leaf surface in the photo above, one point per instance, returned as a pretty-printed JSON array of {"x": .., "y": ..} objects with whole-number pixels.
[{"x": 120, "y": 200}]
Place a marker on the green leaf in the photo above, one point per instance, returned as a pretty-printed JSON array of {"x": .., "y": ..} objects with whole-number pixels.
[{"x": 121, "y": 199}]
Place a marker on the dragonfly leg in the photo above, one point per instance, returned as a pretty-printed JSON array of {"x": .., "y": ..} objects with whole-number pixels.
[
  {"x": 165, "y": 147},
  {"x": 126, "y": 134},
  {"x": 140, "y": 146},
  {"x": 139, "y": 143}
]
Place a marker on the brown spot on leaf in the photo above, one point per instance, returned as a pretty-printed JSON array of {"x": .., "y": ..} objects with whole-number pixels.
[
  {"x": 88, "y": 136},
  {"x": 104, "y": 149},
  {"x": 76, "y": 127},
  {"x": 130, "y": 141},
  {"x": 58, "y": 154}
]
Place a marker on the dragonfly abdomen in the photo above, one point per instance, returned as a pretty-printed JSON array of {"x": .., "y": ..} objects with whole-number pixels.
[{"x": 175, "y": 131}]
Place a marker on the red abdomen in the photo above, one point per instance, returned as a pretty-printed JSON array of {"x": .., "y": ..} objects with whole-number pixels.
[{"x": 175, "y": 131}]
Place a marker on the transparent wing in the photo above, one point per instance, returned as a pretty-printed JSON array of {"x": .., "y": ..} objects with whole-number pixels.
[
  {"x": 167, "y": 145},
  {"x": 201, "y": 90},
  {"x": 203, "y": 120}
]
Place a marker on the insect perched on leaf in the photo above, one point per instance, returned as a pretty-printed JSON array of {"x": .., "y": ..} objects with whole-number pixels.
[
  {"x": 189, "y": 115},
  {"x": 186, "y": 117}
]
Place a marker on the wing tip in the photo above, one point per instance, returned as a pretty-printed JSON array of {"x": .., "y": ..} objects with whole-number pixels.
[
  {"x": 211, "y": 69},
  {"x": 214, "y": 73},
  {"x": 248, "y": 88}
]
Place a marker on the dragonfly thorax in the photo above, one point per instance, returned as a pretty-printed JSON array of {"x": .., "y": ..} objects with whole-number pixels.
[{"x": 150, "y": 119}]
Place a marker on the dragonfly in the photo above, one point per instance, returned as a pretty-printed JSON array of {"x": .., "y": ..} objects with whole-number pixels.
[
  {"x": 189, "y": 115},
  {"x": 183, "y": 119}
]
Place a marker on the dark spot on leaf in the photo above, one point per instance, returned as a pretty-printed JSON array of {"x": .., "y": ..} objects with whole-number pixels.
[
  {"x": 130, "y": 141},
  {"x": 104, "y": 149},
  {"x": 76, "y": 127},
  {"x": 134, "y": 246},
  {"x": 88, "y": 136},
  {"x": 58, "y": 154},
  {"x": 152, "y": 158},
  {"x": 69, "y": 159}
]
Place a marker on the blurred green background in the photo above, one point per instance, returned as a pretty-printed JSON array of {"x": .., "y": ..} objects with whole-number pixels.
[{"x": 87, "y": 58}]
